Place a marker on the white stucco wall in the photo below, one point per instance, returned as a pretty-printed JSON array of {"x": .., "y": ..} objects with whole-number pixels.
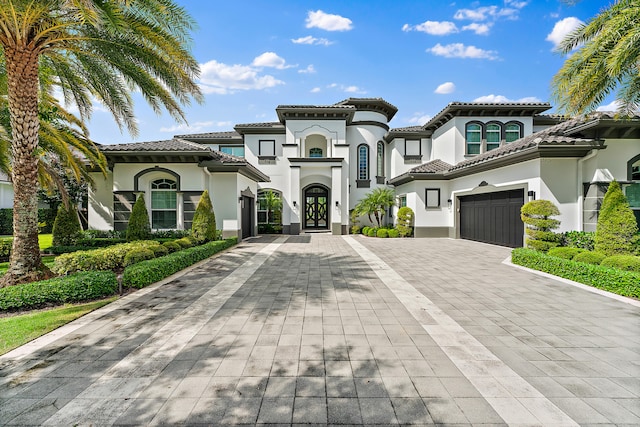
[
  {"x": 6, "y": 195},
  {"x": 100, "y": 209}
]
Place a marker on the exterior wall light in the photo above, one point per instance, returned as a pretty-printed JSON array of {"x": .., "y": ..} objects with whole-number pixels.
[
  {"x": 532, "y": 195},
  {"x": 449, "y": 202},
  {"x": 294, "y": 203},
  {"x": 337, "y": 204}
]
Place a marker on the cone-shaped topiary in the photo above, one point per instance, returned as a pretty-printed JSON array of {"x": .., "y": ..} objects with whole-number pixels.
[
  {"x": 405, "y": 221},
  {"x": 138, "y": 227},
  {"x": 616, "y": 232},
  {"x": 536, "y": 216},
  {"x": 66, "y": 227},
  {"x": 203, "y": 228}
]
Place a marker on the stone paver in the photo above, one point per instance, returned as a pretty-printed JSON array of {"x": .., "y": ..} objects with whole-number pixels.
[{"x": 320, "y": 329}]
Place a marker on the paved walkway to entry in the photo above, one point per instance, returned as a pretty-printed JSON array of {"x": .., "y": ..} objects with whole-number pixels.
[{"x": 320, "y": 329}]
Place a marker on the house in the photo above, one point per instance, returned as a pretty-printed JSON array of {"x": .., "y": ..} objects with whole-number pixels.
[
  {"x": 465, "y": 173},
  {"x": 6, "y": 191}
]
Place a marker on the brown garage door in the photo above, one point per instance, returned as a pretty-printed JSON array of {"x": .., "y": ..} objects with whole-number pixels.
[{"x": 493, "y": 218}]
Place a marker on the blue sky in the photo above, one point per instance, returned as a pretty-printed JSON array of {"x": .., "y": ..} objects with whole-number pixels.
[{"x": 417, "y": 55}]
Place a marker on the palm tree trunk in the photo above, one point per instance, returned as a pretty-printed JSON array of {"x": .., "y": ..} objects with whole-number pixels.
[{"x": 22, "y": 78}]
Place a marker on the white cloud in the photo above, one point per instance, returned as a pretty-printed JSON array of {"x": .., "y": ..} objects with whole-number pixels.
[
  {"x": 219, "y": 78},
  {"x": 436, "y": 28},
  {"x": 328, "y": 22},
  {"x": 312, "y": 40},
  {"x": 561, "y": 29},
  {"x": 316, "y": 90},
  {"x": 353, "y": 89},
  {"x": 480, "y": 29},
  {"x": 445, "y": 88},
  {"x": 500, "y": 99},
  {"x": 194, "y": 127},
  {"x": 270, "y": 59},
  {"x": 613, "y": 106},
  {"x": 459, "y": 50},
  {"x": 418, "y": 118},
  {"x": 309, "y": 70},
  {"x": 485, "y": 13},
  {"x": 347, "y": 89}
]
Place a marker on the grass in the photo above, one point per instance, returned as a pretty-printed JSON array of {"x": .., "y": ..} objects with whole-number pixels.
[
  {"x": 20, "y": 329},
  {"x": 44, "y": 240},
  {"x": 47, "y": 260}
]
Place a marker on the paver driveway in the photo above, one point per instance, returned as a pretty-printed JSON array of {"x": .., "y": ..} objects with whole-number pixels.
[{"x": 319, "y": 329}]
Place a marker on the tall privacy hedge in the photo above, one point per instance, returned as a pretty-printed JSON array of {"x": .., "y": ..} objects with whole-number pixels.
[{"x": 616, "y": 232}]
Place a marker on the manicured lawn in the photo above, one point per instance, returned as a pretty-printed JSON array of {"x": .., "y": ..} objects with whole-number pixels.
[
  {"x": 44, "y": 240},
  {"x": 20, "y": 329}
]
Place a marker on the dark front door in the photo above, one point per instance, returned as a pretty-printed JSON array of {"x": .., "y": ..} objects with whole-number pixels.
[
  {"x": 316, "y": 203},
  {"x": 493, "y": 218},
  {"x": 247, "y": 217}
]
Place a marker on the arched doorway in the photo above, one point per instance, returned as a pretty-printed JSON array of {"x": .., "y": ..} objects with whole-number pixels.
[{"x": 316, "y": 207}]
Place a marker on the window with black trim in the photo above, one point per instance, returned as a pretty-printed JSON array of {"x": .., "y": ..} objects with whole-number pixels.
[
  {"x": 412, "y": 148},
  {"x": 512, "y": 132},
  {"x": 164, "y": 204},
  {"x": 380, "y": 159},
  {"x": 363, "y": 162},
  {"x": 234, "y": 150},
  {"x": 266, "y": 148},
  {"x": 315, "y": 152},
  {"x": 432, "y": 198},
  {"x": 493, "y": 133},
  {"x": 473, "y": 137}
]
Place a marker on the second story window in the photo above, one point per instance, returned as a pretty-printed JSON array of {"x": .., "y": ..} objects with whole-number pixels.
[
  {"x": 473, "y": 138},
  {"x": 363, "y": 162},
  {"x": 494, "y": 135},
  {"x": 380, "y": 159},
  {"x": 234, "y": 150},
  {"x": 266, "y": 148},
  {"x": 512, "y": 132},
  {"x": 315, "y": 152}
]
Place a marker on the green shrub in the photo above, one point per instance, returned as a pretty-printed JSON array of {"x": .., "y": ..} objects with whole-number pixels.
[
  {"x": 383, "y": 233},
  {"x": 74, "y": 288},
  {"x": 203, "y": 227},
  {"x": 136, "y": 255},
  {"x": 393, "y": 233},
  {"x": 365, "y": 230},
  {"x": 184, "y": 243},
  {"x": 108, "y": 258},
  {"x": 159, "y": 250},
  {"x": 590, "y": 257},
  {"x": 617, "y": 229},
  {"x": 405, "y": 221},
  {"x": 622, "y": 262},
  {"x": 536, "y": 216},
  {"x": 172, "y": 246},
  {"x": 6, "y": 221},
  {"x": 623, "y": 283},
  {"x": 372, "y": 232},
  {"x": 566, "y": 253},
  {"x": 169, "y": 234},
  {"x": 147, "y": 272},
  {"x": 355, "y": 229},
  {"x": 66, "y": 227},
  {"x": 138, "y": 227},
  {"x": 579, "y": 239}
]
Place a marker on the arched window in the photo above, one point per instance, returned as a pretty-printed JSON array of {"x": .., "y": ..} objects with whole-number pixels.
[
  {"x": 315, "y": 152},
  {"x": 363, "y": 162},
  {"x": 494, "y": 135},
  {"x": 163, "y": 204},
  {"x": 473, "y": 138},
  {"x": 380, "y": 159},
  {"x": 512, "y": 132}
]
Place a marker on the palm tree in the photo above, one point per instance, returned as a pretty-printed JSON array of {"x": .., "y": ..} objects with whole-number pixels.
[
  {"x": 94, "y": 48},
  {"x": 273, "y": 203},
  {"x": 375, "y": 203},
  {"x": 608, "y": 57}
]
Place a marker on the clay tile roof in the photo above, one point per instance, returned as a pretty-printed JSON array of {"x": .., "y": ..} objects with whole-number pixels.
[
  {"x": 211, "y": 135},
  {"x": 227, "y": 158},
  {"x": 260, "y": 125},
  {"x": 408, "y": 129},
  {"x": 174, "y": 144},
  {"x": 433, "y": 166}
]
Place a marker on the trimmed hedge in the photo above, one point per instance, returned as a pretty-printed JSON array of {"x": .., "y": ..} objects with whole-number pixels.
[
  {"x": 78, "y": 287},
  {"x": 147, "y": 272},
  {"x": 108, "y": 258},
  {"x": 393, "y": 233},
  {"x": 623, "y": 283},
  {"x": 623, "y": 262},
  {"x": 382, "y": 233},
  {"x": 590, "y": 257},
  {"x": 563, "y": 252}
]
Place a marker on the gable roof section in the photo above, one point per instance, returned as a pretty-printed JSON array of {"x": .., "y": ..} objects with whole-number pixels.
[
  {"x": 377, "y": 105},
  {"x": 181, "y": 151},
  {"x": 262, "y": 128},
  {"x": 227, "y": 136},
  {"x": 407, "y": 132}
]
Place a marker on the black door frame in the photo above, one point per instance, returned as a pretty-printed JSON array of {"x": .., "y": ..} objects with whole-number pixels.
[
  {"x": 327, "y": 195},
  {"x": 247, "y": 213}
]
